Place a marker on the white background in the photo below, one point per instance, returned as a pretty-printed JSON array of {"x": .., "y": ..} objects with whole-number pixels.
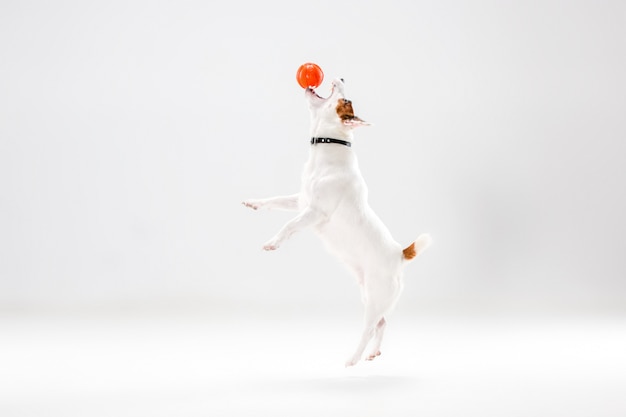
[{"x": 131, "y": 131}]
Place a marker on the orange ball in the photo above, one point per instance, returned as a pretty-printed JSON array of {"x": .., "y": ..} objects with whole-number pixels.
[{"x": 309, "y": 75}]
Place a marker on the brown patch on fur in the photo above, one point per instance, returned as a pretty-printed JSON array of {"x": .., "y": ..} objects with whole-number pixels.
[
  {"x": 346, "y": 113},
  {"x": 409, "y": 252},
  {"x": 344, "y": 109}
]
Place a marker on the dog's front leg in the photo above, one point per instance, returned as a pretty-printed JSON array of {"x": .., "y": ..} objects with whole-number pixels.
[
  {"x": 286, "y": 203},
  {"x": 308, "y": 217}
]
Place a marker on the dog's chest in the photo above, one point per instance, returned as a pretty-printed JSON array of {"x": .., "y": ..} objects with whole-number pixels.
[{"x": 330, "y": 175}]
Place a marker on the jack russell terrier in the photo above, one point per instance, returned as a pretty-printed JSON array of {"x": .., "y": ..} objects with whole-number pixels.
[{"x": 333, "y": 201}]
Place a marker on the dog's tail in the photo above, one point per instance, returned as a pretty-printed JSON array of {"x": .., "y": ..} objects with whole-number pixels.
[{"x": 417, "y": 247}]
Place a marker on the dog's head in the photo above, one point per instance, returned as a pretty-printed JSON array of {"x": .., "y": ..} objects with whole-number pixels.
[{"x": 332, "y": 116}]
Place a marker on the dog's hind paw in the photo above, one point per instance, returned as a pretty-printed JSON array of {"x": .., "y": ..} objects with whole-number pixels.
[
  {"x": 352, "y": 361},
  {"x": 373, "y": 355}
]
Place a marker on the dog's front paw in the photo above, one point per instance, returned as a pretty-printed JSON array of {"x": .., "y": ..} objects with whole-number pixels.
[
  {"x": 271, "y": 245},
  {"x": 251, "y": 203}
]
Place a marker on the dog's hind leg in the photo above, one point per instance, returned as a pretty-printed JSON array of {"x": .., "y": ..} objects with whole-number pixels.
[
  {"x": 380, "y": 297},
  {"x": 378, "y": 338},
  {"x": 373, "y": 316}
]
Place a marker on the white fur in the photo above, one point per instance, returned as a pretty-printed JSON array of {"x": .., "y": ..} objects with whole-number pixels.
[{"x": 333, "y": 201}]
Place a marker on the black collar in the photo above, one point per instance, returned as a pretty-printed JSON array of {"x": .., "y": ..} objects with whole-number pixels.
[{"x": 329, "y": 140}]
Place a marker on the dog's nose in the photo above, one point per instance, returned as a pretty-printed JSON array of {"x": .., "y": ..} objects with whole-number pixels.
[{"x": 341, "y": 79}]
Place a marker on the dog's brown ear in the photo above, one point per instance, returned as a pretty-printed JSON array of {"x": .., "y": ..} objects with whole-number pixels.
[
  {"x": 346, "y": 114},
  {"x": 355, "y": 122}
]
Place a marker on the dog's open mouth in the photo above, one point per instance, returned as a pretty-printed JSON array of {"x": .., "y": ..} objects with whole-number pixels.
[
  {"x": 320, "y": 97},
  {"x": 312, "y": 91}
]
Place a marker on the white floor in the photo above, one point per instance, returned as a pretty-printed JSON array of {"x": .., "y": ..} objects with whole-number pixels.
[{"x": 203, "y": 365}]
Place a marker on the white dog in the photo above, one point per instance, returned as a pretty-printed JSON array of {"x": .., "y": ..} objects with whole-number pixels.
[{"x": 333, "y": 201}]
